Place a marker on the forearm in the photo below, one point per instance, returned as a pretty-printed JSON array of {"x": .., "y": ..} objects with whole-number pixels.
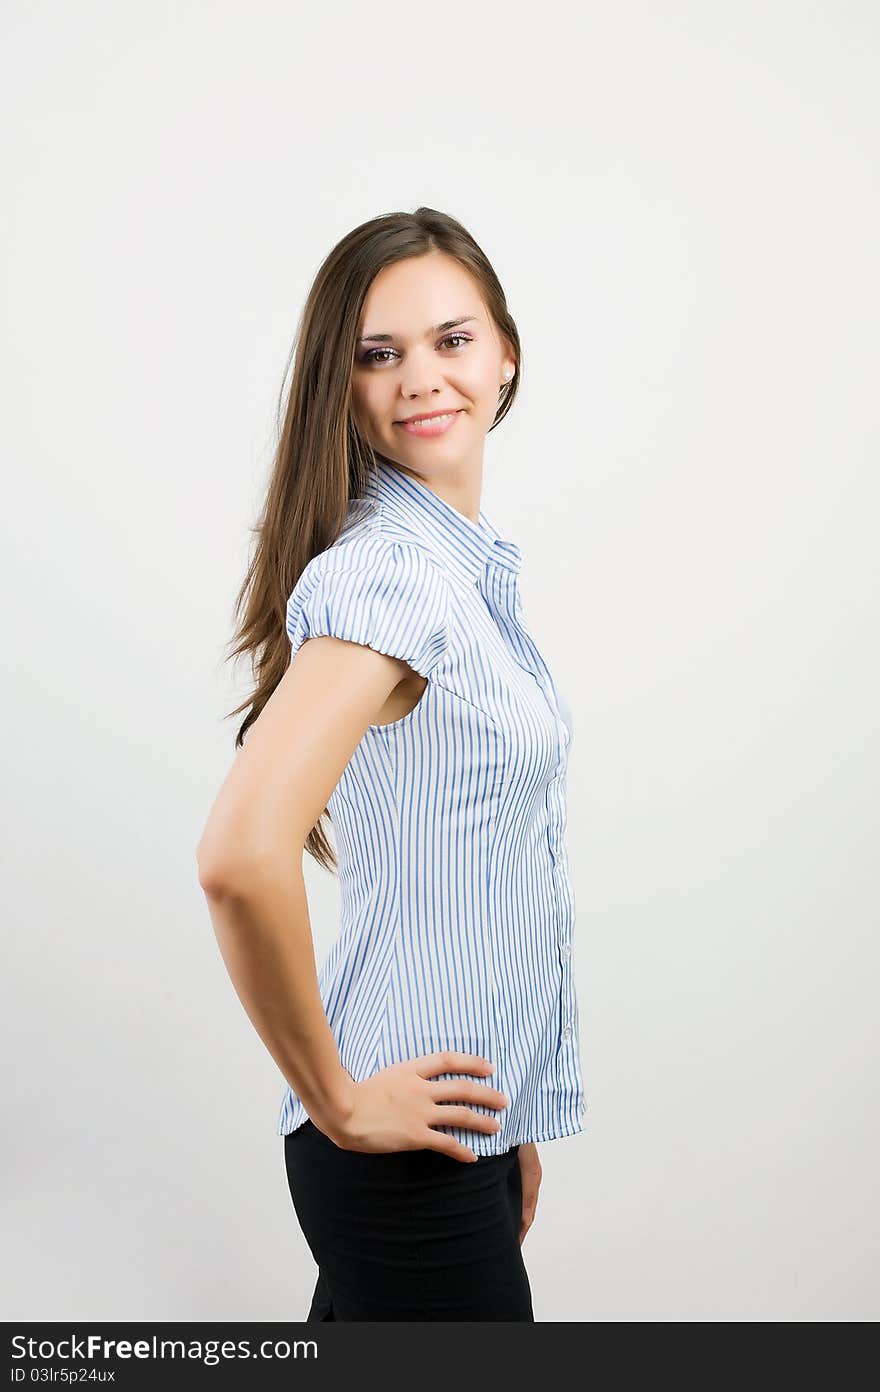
[{"x": 264, "y": 934}]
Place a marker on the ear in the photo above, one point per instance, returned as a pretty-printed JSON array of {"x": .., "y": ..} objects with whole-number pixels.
[{"x": 508, "y": 362}]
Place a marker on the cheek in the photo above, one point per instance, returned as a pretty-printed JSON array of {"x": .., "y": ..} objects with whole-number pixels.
[
  {"x": 480, "y": 388},
  {"x": 478, "y": 377},
  {"x": 364, "y": 405}
]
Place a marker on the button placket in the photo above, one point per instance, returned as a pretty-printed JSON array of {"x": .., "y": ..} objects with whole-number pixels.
[
  {"x": 534, "y": 663},
  {"x": 545, "y": 676},
  {"x": 566, "y": 915},
  {"x": 538, "y": 669}
]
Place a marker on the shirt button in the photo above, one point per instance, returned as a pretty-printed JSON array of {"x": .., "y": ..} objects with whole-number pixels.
[
  {"x": 566, "y": 950},
  {"x": 566, "y": 1033}
]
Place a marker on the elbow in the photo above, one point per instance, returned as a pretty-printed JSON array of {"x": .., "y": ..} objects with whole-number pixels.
[
  {"x": 214, "y": 873},
  {"x": 225, "y": 872},
  {"x": 220, "y": 875},
  {"x": 218, "y": 868}
]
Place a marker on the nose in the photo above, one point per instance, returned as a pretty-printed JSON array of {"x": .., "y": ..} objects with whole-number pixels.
[{"x": 420, "y": 375}]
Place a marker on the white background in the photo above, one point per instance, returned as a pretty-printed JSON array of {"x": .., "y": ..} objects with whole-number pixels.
[{"x": 681, "y": 201}]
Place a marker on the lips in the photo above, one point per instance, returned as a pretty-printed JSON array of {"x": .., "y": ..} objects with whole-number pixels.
[
  {"x": 427, "y": 415},
  {"x": 437, "y": 423}
]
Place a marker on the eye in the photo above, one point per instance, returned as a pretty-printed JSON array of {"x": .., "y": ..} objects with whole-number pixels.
[
  {"x": 372, "y": 355},
  {"x": 375, "y": 355}
]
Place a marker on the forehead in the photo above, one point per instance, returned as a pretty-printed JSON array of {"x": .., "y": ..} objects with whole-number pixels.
[{"x": 408, "y": 296}]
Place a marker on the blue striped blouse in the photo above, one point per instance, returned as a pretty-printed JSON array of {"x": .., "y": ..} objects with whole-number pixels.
[{"x": 456, "y": 905}]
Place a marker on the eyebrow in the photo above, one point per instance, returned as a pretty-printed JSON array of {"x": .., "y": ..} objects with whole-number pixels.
[{"x": 435, "y": 329}]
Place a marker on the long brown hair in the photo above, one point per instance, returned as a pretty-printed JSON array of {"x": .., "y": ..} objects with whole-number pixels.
[{"x": 322, "y": 460}]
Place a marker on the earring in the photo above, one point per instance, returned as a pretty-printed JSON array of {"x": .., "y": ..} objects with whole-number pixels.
[{"x": 507, "y": 376}]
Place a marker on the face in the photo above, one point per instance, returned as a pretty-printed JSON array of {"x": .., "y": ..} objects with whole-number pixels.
[{"x": 406, "y": 366}]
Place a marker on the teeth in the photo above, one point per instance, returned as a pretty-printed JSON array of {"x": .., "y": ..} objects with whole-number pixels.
[{"x": 433, "y": 420}]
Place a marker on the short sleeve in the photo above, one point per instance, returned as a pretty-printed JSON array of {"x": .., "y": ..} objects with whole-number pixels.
[{"x": 386, "y": 595}]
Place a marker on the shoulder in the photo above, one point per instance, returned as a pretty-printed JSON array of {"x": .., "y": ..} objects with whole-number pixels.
[
  {"x": 375, "y": 553},
  {"x": 377, "y": 588}
]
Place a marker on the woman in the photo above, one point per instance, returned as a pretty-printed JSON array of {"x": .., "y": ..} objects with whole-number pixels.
[{"x": 407, "y": 701}]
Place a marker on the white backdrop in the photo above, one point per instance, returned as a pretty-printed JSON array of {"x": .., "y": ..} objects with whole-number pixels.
[{"x": 682, "y": 203}]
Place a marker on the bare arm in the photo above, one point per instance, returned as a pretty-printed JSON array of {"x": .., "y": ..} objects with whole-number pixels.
[
  {"x": 250, "y": 856},
  {"x": 250, "y": 867}
]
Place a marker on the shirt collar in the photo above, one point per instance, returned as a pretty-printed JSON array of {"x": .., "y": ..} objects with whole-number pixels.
[{"x": 464, "y": 546}]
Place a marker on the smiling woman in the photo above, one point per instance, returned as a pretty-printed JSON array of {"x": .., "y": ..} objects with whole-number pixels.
[
  {"x": 428, "y": 382},
  {"x": 401, "y": 696}
]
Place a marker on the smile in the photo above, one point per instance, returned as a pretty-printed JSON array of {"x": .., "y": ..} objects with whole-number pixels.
[{"x": 430, "y": 425}]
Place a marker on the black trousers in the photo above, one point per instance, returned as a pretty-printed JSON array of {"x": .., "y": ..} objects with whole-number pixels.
[{"x": 410, "y": 1234}]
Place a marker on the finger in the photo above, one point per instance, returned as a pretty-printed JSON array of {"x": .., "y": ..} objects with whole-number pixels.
[
  {"x": 450, "y": 1089},
  {"x": 449, "y": 1115},
  {"x": 530, "y": 1202},
  {"x": 448, "y": 1145},
  {"x": 449, "y": 1061}
]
